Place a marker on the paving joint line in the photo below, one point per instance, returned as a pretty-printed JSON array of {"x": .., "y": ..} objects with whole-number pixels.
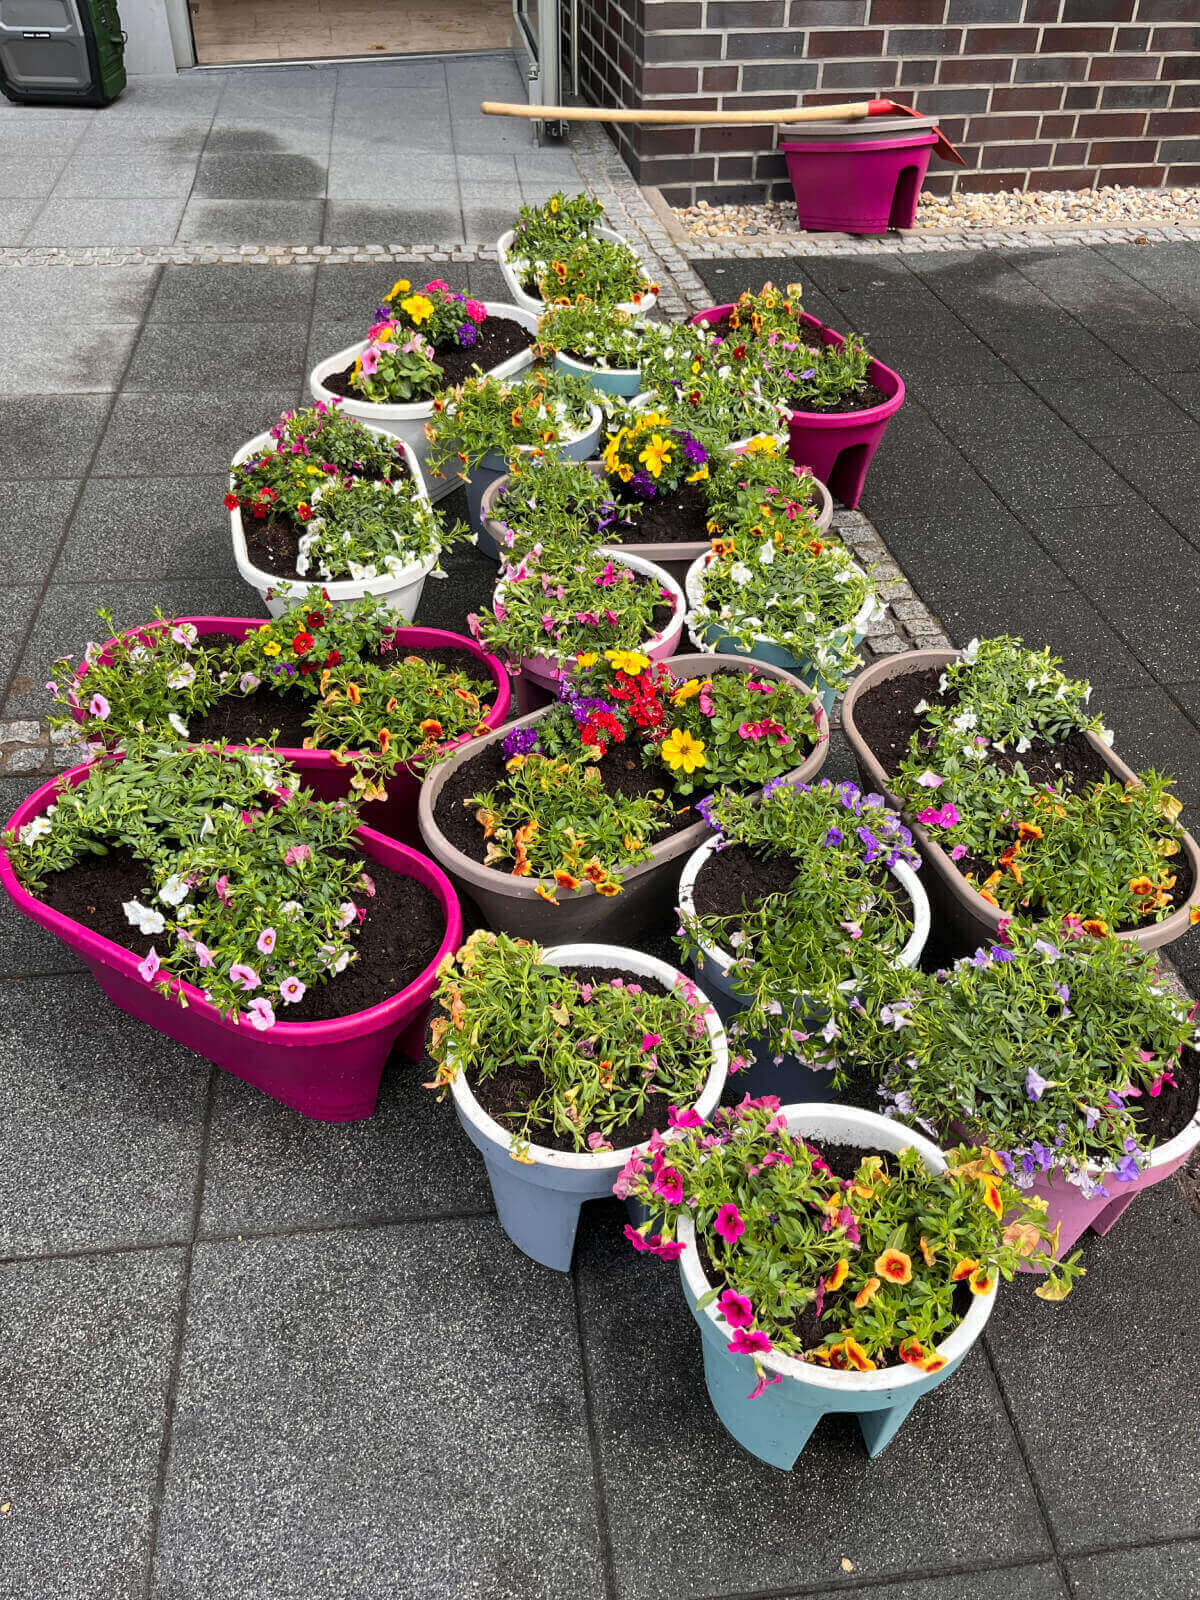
[
  {"x": 603, "y": 1531},
  {"x": 857, "y": 1583}
]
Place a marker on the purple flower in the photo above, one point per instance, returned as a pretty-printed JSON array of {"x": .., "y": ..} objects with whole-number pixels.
[
  {"x": 643, "y": 485},
  {"x": 1001, "y": 952},
  {"x": 1035, "y": 1084},
  {"x": 519, "y": 742},
  {"x": 835, "y": 836},
  {"x": 468, "y": 335},
  {"x": 1044, "y": 1157},
  {"x": 874, "y": 848},
  {"x": 694, "y": 451},
  {"x": 1128, "y": 1170}
]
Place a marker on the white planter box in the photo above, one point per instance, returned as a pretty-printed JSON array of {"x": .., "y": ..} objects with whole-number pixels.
[
  {"x": 535, "y": 303},
  {"x": 407, "y": 420},
  {"x": 402, "y": 592}
]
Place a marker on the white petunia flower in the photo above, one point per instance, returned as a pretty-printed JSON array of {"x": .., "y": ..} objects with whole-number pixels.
[{"x": 143, "y": 918}]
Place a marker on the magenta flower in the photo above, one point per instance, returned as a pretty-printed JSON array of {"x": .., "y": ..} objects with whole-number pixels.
[
  {"x": 737, "y": 1310},
  {"x": 148, "y": 969},
  {"x": 944, "y": 816},
  {"x": 958, "y": 852},
  {"x": 291, "y": 990},
  {"x": 296, "y": 855},
  {"x": 370, "y": 361},
  {"x": 203, "y": 954},
  {"x": 666, "y": 1249},
  {"x": 690, "y": 1118},
  {"x": 222, "y": 888},
  {"x": 669, "y": 1185},
  {"x": 636, "y": 1239},
  {"x": 649, "y": 1040},
  {"x": 764, "y": 1381},
  {"x": 266, "y": 941},
  {"x": 243, "y": 976},
  {"x": 99, "y": 706},
  {"x": 729, "y": 1224},
  {"x": 260, "y": 1015},
  {"x": 750, "y": 1342}
]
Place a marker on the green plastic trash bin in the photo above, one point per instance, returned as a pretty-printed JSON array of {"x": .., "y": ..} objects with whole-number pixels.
[{"x": 61, "y": 52}]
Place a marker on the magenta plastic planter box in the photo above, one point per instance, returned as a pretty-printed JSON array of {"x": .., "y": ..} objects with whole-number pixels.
[
  {"x": 397, "y": 815},
  {"x": 326, "y": 1070},
  {"x": 836, "y": 445},
  {"x": 858, "y": 185}
]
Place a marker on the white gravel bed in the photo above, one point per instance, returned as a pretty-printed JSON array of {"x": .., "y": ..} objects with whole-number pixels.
[{"x": 1115, "y": 206}]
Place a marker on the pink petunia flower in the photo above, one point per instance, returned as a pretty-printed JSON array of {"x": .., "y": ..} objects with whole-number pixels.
[
  {"x": 260, "y": 1015},
  {"x": 636, "y": 1239},
  {"x": 203, "y": 954},
  {"x": 296, "y": 855},
  {"x": 666, "y": 1249},
  {"x": 690, "y": 1118},
  {"x": 729, "y": 1224},
  {"x": 765, "y": 1379},
  {"x": 737, "y": 1310},
  {"x": 99, "y": 707},
  {"x": 266, "y": 941},
  {"x": 291, "y": 990},
  {"x": 347, "y": 912},
  {"x": 944, "y": 816},
  {"x": 148, "y": 969},
  {"x": 243, "y": 976},
  {"x": 669, "y": 1185},
  {"x": 750, "y": 1342},
  {"x": 649, "y": 1040}
]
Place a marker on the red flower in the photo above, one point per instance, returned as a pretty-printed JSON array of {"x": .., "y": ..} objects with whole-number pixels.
[
  {"x": 304, "y": 511},
  {"x": 306, "y": 667},
  {"x": 259, "y": 510},
  {"x": 315, "y": 619},
  {"x": 739, "y": 352},
  {"x": 231, "y": 501},
  {"x": 302, "y": 643},
  {"x": 332, "y": 659}
]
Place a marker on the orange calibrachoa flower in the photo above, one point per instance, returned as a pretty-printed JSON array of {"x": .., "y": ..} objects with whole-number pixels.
[
  {"x": 982, "y": 1281},
  {"x": 928, "y": 1253},
  {"x": 838, "y": 1276},
  {"x": 1096, "y": 926},
  {"x": 964, "y": 1269},
  {"x": 867, "y": 1293},
  {"x": 431, "y": 728},
  {"x": 912, "y": 1351},
  {"x": 564, "y": 879},
  {"x": 1029, "y": 830},
  {"x": 933, "y": 1363},
  {"x": 895, "y": 1266}
]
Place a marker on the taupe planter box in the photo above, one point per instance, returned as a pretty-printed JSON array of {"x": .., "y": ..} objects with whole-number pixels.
[
  {"x": 674, "y": 558},
  {"x": 968, "y": 913},
  {"x": 513, "y": 905}
]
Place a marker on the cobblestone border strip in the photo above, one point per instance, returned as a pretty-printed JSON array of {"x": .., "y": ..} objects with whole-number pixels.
[
  {"x": 845, "y": 244},
  {"x": 249, "y": 255}
]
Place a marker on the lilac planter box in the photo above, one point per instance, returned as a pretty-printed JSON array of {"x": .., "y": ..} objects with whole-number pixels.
[{"x": 858, "y": 185}]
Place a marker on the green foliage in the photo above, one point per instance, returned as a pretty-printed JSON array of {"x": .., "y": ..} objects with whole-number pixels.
[{"x": 493, "y": 416}]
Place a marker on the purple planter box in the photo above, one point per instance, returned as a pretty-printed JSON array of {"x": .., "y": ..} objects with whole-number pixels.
[
  {"x": 836, "y": 446},
  {"x": 326, "y": 1070},
  {"x": 858, "y": 185},
  {"x": 397, "y": 815}
]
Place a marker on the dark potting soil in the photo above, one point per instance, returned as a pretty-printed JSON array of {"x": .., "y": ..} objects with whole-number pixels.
[
  {"x": 621, "y": 772},
  {"x": 1162, "y": 1118},
  {"x": 886, "y": 719},
  {"x": 515, "y": 1084},
  {"x": 255, "y": 717},
  {"x": 499, "y": 339},
  {"x": 398, "y": 938},
  {"x": 273, "y": 544},
  {"x": 736, "y": 880},
  {"x": 677, "y": 518}
]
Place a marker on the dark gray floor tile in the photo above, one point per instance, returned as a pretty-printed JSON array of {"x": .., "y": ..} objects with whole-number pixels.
[
  {"x": 468, "y": 583},
  {"x": 1157, "y": 347},
  {"x": 20, "y": 604},
  {"x": 40, "y": 510},
  {"x": 25, "y": 948},
  {"x": 1128, "y": 403},
  {"x": 251, "y": 221},
  {"x": 1095, "y": 290},
  {"x": 1048, "y": 348},
  {"x": 1170, "y": 269},
  {"x": 185, "y": 433},
  {"x": 691, "y": 1513},
  {"x": 1064, "y": 620},
  {"x": 67, "y": 620},
  {"x": 486, "y": 282},
  {"x": 1150, "y": 730},
  {"x": 981, "y": 550},
  {"x": 1039, "y": 1582},
  {"x": 1007, "y": 411},
  {"x": 149, "y": 529},
  {"x": 1164, "y": 468},
  {"x": 269, "y": 1169},
  {"x": 35, "y": 359},
  {"x": 363, "y": 1369},
  {"x": 1099, "y": 544},
  {"x": 84, "y": 1364},
  {"x": 217, "y": 358},
  {"x": 201, "y": 293},
  {"x": 101, "y": 1126},
  {"x": 356, "y": 222},
  {"x": 144, "y": 169},
  {"x": 130, "y": 219},
  {"x": 1103, "y": 1432},
  {"x": 1066, "y": 471},
  {"x": 50, "y": 436},
  {"x": 104, "y": 295},
  {"x": 350, "y": 291},
  {"x": 252, "y": 175},
  {"x": 1156, "y": 1572}
]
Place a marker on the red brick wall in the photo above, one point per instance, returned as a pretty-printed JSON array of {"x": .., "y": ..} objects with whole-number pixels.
[{"x": 1040, "y": 94}]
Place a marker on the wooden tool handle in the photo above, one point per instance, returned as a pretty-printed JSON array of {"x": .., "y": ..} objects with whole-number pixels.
[{"x": 852, "y": 111}]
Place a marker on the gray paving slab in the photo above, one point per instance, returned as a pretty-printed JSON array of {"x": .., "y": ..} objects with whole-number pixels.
[
  {"x": 1156, "y": 347},
  {"x": 350, "y": 291},
  {"x": 16, "y": 219},
  {"x": 267, "y": 133},
  {"x": 232, "y": 222},
  {"x": 356, "y": 222},
  {"x": 1129, "y": 403},
  {"x": 20, "y": 603},
  {"x": 108, "y": 296},
  {"x": 148, "y": 529},
  {"x": 67, "y": 619},
  {"x": 1066, "y": 471},
  {"x": 217, "y": 358},
  {"x": 1104, "y": 1433},
  {"x": 390, "y": 1411},
  {"x": 269, "y": 1169},
  {"x": 1040, "y": 1582},
  {"x": 188, "y": 433},
  {"x": 35, "y": 358},
  {"x": 252, "y": 175},
  {"x": 126, "y": 174},
  {"x": 1154, "y": 1572},
  {"x": 256, "y": 94},
  {"x": 1008, "y": 411},
  {"x": 84, "y": 1363},
  {"x": 203, "y": 293},
  {"x": 1164, "y": 468},
  {"x": 102, "y": 1123},
  {"x": 24, "y": 176},
  {"x": 37, "y": 514},
  {"x": 690, "y": 1513},
  {"x": 1169, "y": 269},
  {"x": 1153, "y": 728},
  {"x": 105, "y": 221}
]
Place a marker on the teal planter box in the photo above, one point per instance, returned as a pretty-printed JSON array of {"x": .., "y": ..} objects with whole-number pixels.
[
  {"x": 777, "y": 1425},
  {"x": 623, "y": 381}
]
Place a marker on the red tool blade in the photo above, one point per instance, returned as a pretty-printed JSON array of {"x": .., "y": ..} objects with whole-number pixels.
[{"x": 889, "y": 108}]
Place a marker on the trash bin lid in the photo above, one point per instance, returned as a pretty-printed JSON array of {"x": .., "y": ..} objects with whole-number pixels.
[{"x": 861, "y": 128}]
